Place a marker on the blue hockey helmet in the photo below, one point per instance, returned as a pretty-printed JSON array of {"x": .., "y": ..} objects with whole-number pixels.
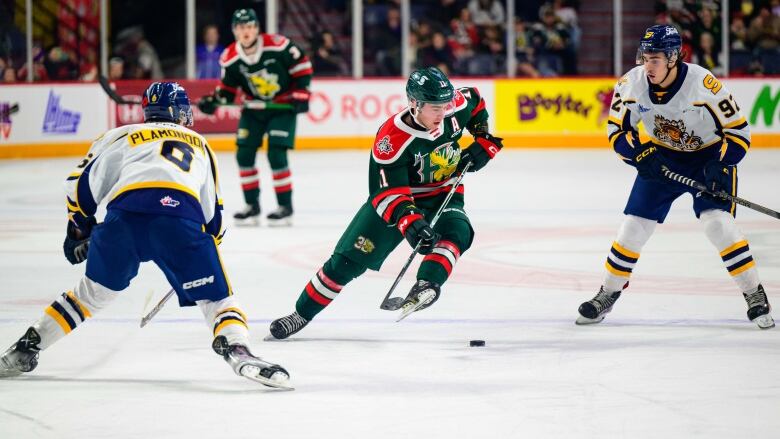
[
  {"x": 660, "y": 38},
  {"x": 167, "y": 102}
]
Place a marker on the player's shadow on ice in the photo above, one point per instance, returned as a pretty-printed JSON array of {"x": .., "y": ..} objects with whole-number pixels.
[{"x": 226, "y": 386}]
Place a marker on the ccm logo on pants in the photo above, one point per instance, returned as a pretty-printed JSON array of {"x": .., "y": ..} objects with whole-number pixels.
[{"x": 198, "y": 283}]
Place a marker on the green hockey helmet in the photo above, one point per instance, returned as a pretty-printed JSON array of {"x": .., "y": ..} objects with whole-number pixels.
[
  {"x": 429, "y": 85},
  {"x": 244, "y": 16}
]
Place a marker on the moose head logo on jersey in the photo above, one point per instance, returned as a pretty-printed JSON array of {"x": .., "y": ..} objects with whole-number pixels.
[
  {"x": 441, "y": 163},
  {"x": 264, "y": 84},
  {"x": 673, "y": 134}
]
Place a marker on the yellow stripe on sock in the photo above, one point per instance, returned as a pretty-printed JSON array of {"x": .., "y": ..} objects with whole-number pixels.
[
  {"x": 615, "y": 271},
  {"x": 624, "y": 251},
  {"x": 733, "y": 247},
  {"x": 83, "y": 308},
  {"x": 235, "y": 310},
  {"x": 229, "y": 322},
  {"x": 738, "y": 271},
  {"x": 58, "y": 318}
]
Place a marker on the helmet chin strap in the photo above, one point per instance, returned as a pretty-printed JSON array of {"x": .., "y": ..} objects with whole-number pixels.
[
  {"x": 414, "y": 111},
  {"x": 669, "y": 69}
]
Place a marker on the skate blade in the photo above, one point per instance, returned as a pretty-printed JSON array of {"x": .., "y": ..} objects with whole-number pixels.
[
  {"x": 277, "y": 380},
  {"x": 764, "y": 322},
  {"x": 409, "y": 308},
  {"x": 10, "y": 373},
  {"x": 392, "y": 303},
  {"x": 284, "y": 222},
  {"x": 582, "y": 320},
  {"x": 247, "y": 222}
]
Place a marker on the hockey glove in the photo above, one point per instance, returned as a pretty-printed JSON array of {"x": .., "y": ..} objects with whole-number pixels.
[
  {"x": 299, "y": 99},
  {"x": 480, "y": 152},
  {"x": 718, "y": 177},
  {"x": 208, "y": 104},
  {"x": 76, "y": 243},
  {"x": 416, "y": 230},
  {"x": 649, "y": 163}
]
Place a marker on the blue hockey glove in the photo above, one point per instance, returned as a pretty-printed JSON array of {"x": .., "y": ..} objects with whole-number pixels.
[
  {"x": 718, "y": 177},
  {"x": 76, "y": 243},
  {"x": 480, "y": 152},
  {"x": 649, "y": 164},
  {"x": 416, "y": 230}
]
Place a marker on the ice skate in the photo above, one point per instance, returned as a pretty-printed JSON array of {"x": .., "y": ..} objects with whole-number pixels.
[
  {"x": 286, "y": 326},
  {"x": 248, "y": 217},
  {"x": 759, "y": 308},
  {"x": 594, "y": 310},
  {"x": 422, "y": 295},
  {"x": 247, "y": 365},
  {"x": 281, "y": 217},
  {"x": 22, "y": 357}
]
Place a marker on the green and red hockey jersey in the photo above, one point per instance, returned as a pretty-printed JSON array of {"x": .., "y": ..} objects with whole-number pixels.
[
  {"x": 411, "y": 167},
  {"x": 279, "y": 71}
]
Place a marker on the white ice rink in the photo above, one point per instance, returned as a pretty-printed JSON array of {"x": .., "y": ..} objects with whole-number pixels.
[{"x": 677, "y": 357}]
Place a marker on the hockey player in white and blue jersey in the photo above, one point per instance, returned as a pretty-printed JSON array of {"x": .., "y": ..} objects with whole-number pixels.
[
  {"x": 160, "y": 182},
  {"x": 696, "y": 129}
]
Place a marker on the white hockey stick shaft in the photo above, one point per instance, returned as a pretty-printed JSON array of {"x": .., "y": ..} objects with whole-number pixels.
[{"x": 148, "y": 317}]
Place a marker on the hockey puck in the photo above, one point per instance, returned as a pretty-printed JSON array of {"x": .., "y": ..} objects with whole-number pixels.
[{"x": 477, "y": 343}]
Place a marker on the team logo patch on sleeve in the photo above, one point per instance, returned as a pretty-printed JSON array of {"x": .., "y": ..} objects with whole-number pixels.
[
  {"x": 384, "y": 147},
  {"x": 167, "y": 201}
]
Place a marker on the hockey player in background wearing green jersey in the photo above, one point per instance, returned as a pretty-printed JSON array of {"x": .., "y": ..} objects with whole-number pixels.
[
  {"x": 414, "y": 162},
  {"x": 270, "y": 69}
]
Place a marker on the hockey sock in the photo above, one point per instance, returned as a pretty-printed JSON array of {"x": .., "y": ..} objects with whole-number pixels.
[
  {"x": 277, "y": 158},
  {"x": 250, "y": 178},
  {"x": 624, "y": 254},
  {"x": 326, "y": 284},
  {"x": 721, "y": 229},
  {"x": 437, "y": 266},
  {"x": 71, "y": 309},
  {"x": 225, "y": 317}
]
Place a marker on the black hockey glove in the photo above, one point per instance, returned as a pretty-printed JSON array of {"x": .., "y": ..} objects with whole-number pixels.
[
  {"x": 76, "y": 242},
  {"x": 299, "y": 99},
  {"x": 480, "y": 152},
  {"x": 718, "y": 177},
  {"x": 416, "y": 230},
  {"x": 649, "y": 163},
  {"x": 208, "y": 104}
]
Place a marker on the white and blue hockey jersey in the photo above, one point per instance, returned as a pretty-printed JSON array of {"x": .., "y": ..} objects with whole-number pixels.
[
  {"x": 157, "y": 168},
  {"x": 696, "y": 118}
]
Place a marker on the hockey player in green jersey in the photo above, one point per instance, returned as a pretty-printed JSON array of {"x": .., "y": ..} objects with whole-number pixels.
[
  {"x": 270, "y": 69},
  {"x": 415, "y": 160}
]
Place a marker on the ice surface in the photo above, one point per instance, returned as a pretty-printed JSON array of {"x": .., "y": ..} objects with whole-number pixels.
[{"x": 677, "y": 357}]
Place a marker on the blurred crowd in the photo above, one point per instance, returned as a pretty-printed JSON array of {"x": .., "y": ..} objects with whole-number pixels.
[
  {"x": 754, "y": 34},
  {"x": 461, "y": 37}
]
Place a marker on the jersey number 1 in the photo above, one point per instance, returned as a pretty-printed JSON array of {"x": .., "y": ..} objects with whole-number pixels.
[{"x": 178, "y": 153}]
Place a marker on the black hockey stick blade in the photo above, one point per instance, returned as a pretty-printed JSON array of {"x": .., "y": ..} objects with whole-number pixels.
[
  {"x": 722, "y": 194},
  {"x": 106, "y": 86}
]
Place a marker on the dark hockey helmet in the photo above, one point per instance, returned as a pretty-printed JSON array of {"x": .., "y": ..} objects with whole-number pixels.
[
  {"x": 167, "y": 102},
  {"x": 660, "y": 38},
  {"x": 244, "y": 16},
  {"x": 429, "y": 85}
]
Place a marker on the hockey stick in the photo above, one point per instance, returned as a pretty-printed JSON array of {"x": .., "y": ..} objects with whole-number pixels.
[
  {"x": 156, "y": 308},
  {"x": 699, "y": 186},
  {"x": 394, "y": 303},
  {"x": 252, "y": 105}
]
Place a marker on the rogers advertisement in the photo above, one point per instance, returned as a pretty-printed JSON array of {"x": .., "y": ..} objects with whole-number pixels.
[{"x": 337, "y": 108}]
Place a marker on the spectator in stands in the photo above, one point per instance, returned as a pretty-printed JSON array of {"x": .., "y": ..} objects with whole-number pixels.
[
  {"x": 438, "y": 54},
  {"x": 383, "y": 41},
  {"x": 738, "y": 34},
  {"x": 707, "y": 23},
  {"x": 706, "y": 55},
  {"x": 567, "y": 15},
  {"x": 550, "y": 42},
  {"x": 60, "y": 66},
  {"x": 9, "y": 74},
  {"x": 464, "y": 33},
  {"x": 116, "y": 68},
  {"x": 764, "y": 30},
  {"x": 88, "y": 70},
  {"x": 207, "y": 54},
  {"x": 327, "y": 59},
  {"x": 487, "y": 12},
  {"x": 492, "y": 47},
  {"x": 524, "y": 53},
  {"x": 140, "y": 56},
  {"x": 38, "y": 69},
  {"x": 443, "y": 12}
]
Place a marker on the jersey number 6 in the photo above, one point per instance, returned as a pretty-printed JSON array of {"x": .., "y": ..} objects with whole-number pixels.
[{"x": 178, "y": 153}]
